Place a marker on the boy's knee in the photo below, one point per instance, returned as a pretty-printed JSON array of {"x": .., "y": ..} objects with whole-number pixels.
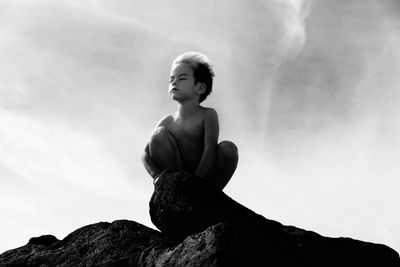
[
  {"x": 159, "y": 135},
  {"x": 228, "y": 150}
]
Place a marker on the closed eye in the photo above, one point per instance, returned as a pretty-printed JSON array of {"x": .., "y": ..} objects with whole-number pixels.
[{"x": 182, "y": 77}]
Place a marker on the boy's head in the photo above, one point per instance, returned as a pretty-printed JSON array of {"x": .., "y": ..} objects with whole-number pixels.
[{"x": 202, "y": 70}]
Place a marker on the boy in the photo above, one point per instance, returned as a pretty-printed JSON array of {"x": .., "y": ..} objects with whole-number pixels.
[{"x": 187, "y": 140}]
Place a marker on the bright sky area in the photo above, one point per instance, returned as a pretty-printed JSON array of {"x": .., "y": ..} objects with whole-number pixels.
[{"x": 308, "y": 90}]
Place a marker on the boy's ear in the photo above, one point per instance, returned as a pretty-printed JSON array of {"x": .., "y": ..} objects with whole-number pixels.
[{"x": 201, "y": 88}]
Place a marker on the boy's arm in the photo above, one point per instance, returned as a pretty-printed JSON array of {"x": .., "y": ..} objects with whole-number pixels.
[{"x": 211, "y": 132}]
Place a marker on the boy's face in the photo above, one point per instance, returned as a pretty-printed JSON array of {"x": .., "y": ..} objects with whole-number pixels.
[{"x": 182, "y": 86}]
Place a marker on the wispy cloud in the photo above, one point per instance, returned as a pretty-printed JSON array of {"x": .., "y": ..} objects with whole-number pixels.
[
  {"x": 294, "y": 19},
  {"x": 54, "y": 153}
]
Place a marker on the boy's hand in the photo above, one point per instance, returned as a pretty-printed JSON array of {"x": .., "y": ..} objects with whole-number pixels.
[
  {"x": 156, "y": 179},
  {"x": 158, "y": 176}
]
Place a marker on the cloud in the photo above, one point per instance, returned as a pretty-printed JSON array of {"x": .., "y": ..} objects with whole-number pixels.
[
  {"x": 56, "y": 153},
  {"x": 294, "y": 37}
]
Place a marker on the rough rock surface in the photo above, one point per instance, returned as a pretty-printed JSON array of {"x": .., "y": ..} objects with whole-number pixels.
[
  {"x": 200, "y": 227},
  {"x": 194, "y": 205},
  {"x": 108, "y": 244}
]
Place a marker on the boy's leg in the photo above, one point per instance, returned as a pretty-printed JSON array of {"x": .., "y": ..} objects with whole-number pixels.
[
  {"x": 164, "y": 150},
  {"x": 225, "y": 164}
]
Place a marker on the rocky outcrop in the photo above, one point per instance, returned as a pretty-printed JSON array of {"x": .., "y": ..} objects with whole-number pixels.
[
  {"x": 120, "y": 243},
  {"x": 183, "y": 204},
  {"x": 200, "y": 227}
]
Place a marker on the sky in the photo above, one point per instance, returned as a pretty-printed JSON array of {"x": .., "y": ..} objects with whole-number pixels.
[{"x": 307, "y": 90}]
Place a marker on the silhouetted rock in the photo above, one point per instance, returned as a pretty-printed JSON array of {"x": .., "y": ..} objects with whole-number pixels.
[
  {"x": 211, "y": 247},
  {"x": 120, "y": 243},
  {"x": 44, "y": 240},
  {"x": 183, "y": 204},
  {"x": 201, "y": 227}
]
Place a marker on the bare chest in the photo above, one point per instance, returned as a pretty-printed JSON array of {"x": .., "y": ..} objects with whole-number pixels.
[{"x": 188, "y": 132}]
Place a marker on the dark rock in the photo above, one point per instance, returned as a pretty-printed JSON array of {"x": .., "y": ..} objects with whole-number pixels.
[
  {"x": 44, "y": 240},
  {"x": 211, "y": 247},
  {"x": 183, "y": 204},
  {"x": 201, "y": 227},
  {"x": 120, "y": 243}
]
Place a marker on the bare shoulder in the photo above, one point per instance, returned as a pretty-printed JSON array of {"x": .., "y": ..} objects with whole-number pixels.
[
  {"x": 210, "y": 113},
  {"x": 211, "y": 126},
  {"x": 210, "y": 119},
  {"x": 165, "y": 121}
]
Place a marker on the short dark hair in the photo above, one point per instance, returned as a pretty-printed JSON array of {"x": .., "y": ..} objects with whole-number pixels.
[{"x": 202, "y": 70}]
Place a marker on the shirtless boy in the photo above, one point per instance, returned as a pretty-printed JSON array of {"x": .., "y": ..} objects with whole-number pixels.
[{"x": 187, "y": 140}]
